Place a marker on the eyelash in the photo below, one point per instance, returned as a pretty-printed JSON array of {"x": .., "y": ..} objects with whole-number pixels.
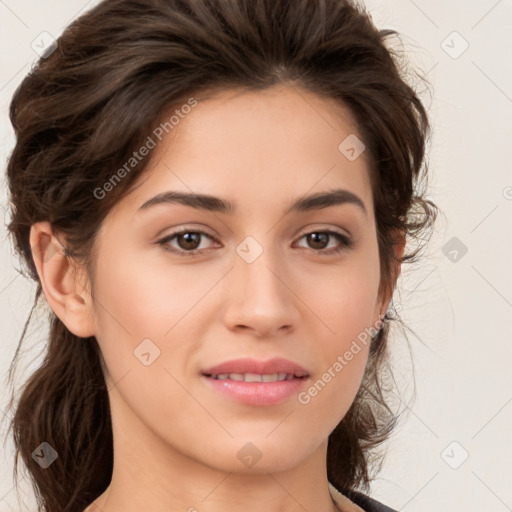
[{"x": 346, "y": 242}]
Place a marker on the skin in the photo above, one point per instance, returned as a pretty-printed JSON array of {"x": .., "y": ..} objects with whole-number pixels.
[{"x": 175, "y": 440}]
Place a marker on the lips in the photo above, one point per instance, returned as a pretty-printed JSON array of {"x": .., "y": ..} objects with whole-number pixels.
[
  {"x": 256, "y": 383},
  {"x": 251, "y": 368}
]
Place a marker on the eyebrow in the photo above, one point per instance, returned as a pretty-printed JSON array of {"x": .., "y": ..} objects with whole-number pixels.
[{"x": 216, "y": 204}]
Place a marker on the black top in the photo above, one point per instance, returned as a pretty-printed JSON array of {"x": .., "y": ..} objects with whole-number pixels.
[{"x": 366, "y": 503}]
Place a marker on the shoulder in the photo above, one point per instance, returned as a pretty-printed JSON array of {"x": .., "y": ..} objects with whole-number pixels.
[{"x": 368, "y": 504}]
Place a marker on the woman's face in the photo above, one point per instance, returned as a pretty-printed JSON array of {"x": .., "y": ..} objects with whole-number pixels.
[{"x": 261, "y": 288}]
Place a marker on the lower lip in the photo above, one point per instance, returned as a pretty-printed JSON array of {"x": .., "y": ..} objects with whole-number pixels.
[{"x": 257, "y": 393}]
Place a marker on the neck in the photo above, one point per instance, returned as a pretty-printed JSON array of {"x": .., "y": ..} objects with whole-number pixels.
[
  {"x": 148, "y": 474},
  {"x": 160, "y": 486}
]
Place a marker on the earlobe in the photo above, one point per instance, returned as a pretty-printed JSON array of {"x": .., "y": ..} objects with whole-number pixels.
[
  {"x": 60, "y": 280},
  {"x": 396, "y": 269},
  {"x": 399, "y": 252}
]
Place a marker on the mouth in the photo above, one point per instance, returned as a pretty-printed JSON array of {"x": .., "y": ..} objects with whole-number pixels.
[
  {"x": 253, "y": 368},
  {"x": 255, "y": 377},
  {"x": 253, "y": 382}
]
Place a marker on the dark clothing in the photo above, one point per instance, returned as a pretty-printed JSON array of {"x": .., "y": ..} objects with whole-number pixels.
[{"x": 366, "y": 503}]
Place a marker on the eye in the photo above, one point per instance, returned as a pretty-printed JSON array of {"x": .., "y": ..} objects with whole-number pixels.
[
  {"x": 188, "y": 241},
  {"x": 320, "y": 239}
]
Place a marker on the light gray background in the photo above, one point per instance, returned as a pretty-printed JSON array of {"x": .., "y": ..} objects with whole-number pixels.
[{"x": 459, "y": 310}]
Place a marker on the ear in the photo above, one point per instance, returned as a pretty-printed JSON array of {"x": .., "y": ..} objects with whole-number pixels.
[
  {"x": 396, "y": 269},
  {"x": 64, "y": 282}
]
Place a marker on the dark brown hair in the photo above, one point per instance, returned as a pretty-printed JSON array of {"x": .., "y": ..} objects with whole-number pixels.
[{"x": 82, "y": 111}]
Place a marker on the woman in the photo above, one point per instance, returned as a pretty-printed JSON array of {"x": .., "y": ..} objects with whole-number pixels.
[{"x": 214, "y": 199}]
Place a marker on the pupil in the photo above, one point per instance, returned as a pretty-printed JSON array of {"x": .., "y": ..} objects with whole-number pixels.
[
  {"x": 190, "y": 238},
  {"x": 322, "y": 238}
]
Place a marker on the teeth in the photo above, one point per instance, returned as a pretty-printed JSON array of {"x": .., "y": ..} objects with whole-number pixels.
[{"x": 254, "y": 377}]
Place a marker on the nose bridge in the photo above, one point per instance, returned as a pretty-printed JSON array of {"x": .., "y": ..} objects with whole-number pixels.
[
  {"x": 257, "y": 295},
  {"x": 256, "y": 266}
]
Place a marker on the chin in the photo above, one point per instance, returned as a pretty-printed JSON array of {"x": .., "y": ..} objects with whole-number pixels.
[{"x": 260, "y": 455}]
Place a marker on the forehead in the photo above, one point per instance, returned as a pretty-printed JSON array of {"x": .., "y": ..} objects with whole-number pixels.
[{"x": 257, "y": 147}]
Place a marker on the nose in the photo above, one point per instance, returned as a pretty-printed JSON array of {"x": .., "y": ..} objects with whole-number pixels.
[{"x": 260, "y": 298}]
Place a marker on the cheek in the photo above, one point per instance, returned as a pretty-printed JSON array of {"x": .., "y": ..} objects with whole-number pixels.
[
  {"x": 341, "y": 349},
  {"x": 136, "y": 309},
  {"x": 344, "y": 297},
  {"x": 146, "y": 307},
  {"x": 346, "y": 306},
  {"x": 144, "y": 297}
]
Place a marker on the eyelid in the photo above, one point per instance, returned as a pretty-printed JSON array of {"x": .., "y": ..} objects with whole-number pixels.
[{"x": 323, "y": 228}]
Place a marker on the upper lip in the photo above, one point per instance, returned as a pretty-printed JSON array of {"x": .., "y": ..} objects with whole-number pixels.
[{"x": 268, "y": 367}]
